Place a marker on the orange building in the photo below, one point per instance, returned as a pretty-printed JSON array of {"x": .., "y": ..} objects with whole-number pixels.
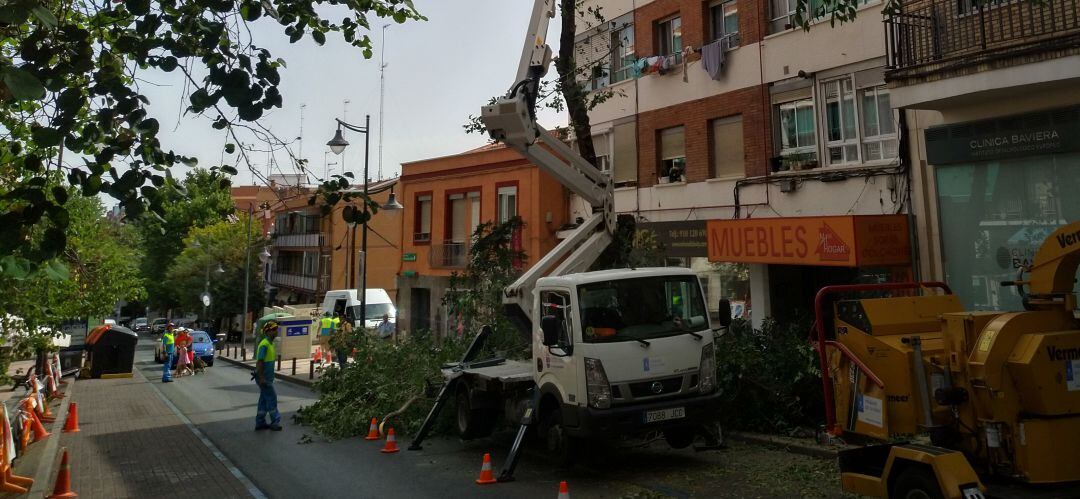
[
  {"x": 445, "y": 200},
  {"x": 312, "y": 253}
]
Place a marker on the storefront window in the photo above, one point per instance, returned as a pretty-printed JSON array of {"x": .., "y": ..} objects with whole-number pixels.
[
  {"x": 724, "y": 280},
  {"x": 995, "y": 215}
]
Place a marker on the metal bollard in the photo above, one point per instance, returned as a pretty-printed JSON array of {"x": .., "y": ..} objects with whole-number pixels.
[
  {"x": 278, "y": 363},
  {"x": 311, "y": 370},
  {"x": 243, "y": 353},
  {"x": 294, "y": 366}
]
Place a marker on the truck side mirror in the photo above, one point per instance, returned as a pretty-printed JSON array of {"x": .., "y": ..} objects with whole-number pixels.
[
  {"x": 550, "y": 325},
  {"x": 725, "y": 312}
]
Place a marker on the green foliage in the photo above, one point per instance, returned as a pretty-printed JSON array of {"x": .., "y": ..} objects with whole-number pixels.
[
  {"x": 769, "y": 378},
  {"x": 381, "y": 380},
  {"x": 630, "y": 247},
  {"x": 200, "y": 200},
  {"x": 98, "y": 268},
  {"x": 69, "y": 74},
  {"x": 222, "y": 243},
  {"x": 475, "y": 296}
]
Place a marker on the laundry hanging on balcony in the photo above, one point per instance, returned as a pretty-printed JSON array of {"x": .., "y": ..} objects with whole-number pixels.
[
  {"x": 712, "y": 59},
  {"x": 656, "y": 64}
]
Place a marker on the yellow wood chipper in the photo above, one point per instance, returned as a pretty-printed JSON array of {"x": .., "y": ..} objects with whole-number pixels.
[{"x": 948, "y": 401}]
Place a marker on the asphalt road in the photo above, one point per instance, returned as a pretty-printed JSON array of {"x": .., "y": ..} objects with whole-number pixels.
[{"x": 221, "y": 403}]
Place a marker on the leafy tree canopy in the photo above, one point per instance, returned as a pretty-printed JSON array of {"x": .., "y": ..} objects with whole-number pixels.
[{"x": 69, "y": 73}]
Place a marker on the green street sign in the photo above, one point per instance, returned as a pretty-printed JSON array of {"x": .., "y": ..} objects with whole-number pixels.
[
  {"x": 408, "y": 257},
  {"x": 409, "y": 273}
]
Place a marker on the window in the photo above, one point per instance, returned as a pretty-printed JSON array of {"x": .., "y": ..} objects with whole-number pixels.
[
  {"x": 625, "y": 161},
  {"x": 422, "y": 224},
  {"x": 859, "y": 122},
  {"x": 474, "y": 212},
  {"x": 507, "y": 203},
  {"x": 311, "y": 263},
  {"x": 669, "y": 38},
  {"x": 878, "y": 127},
  {"x": 622, "y": 53},
  {"x": 557, "y": 304},
  {"x": 783, "y": 13},
  {"x": 457, "y": 230},
  {"x": 724, "y": 19},
  {"x": 672, "y": 155},
  {"x": 797, "y": 134},
  {"x": 727, "y": 142},
  {"x": 841, "y": 140}
]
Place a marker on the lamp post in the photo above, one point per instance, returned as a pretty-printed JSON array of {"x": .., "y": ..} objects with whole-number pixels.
[
  {"x": 263, "y": 257},
  {"x": 338, "y": 145},
  {"x": 205, "y": 297}
]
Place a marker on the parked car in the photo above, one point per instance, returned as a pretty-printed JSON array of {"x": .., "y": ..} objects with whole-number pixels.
[
  {"x": 158, "y": 326},
  {"x": 201, "y": 343},
  {"x": 140, "y": 325}
]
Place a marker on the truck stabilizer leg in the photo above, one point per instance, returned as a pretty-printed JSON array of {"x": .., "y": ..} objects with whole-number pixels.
[
  {"x": 507, "y": 473},
  {"x": 444, "y": 394}
]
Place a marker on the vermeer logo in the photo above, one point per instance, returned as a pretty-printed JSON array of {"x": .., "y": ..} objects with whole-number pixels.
[
  {"x": 1066, "y": 240},
  {"x": 830, "y": 246},
  {"x": 1056, "y": 353}
]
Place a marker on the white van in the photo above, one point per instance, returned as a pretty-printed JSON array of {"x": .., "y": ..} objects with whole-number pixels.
[{"x": 344, "y": 301}]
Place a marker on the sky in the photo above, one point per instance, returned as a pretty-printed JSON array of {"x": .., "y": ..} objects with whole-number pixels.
[{"x": 438, "y": 72}]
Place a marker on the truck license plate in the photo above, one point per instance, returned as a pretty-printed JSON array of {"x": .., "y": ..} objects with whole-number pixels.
[{"x": 665, "y": 414}]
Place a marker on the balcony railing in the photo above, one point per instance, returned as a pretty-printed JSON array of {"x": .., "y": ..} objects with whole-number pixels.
[
  {"x": 970, "y": 32},
  {"x": 449, "y": 255},
  {"x": 298, "y": 240},
  {"x": 303, "y": 282}
]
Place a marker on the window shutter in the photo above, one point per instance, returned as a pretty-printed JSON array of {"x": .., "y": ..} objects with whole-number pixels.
[
  {"x": 728, "y": 156},
  {"x": 625, "y": 160},
  {"x": 672, "y": 143}
]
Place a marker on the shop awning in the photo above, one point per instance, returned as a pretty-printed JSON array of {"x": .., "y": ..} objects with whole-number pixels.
[{"x": 841, "y": 241}]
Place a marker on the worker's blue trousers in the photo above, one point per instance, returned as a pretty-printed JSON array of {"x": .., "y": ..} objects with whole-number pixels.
[
  {"x": 166, "y": 370},
  {"x": 267, "y": 406}
]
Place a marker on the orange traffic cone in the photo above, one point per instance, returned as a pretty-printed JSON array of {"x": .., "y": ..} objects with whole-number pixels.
[
  {"x": 63, "y": 480},
  {"x": 317, "y": 357},
  {"x": 486, "y": 476},
  {"x": 24, "y": 437},
  {"x": 39, "y": 429},
  {"x": 564, "y": 490},
  {"x": 373, "y": 431},
  {"x": 72, "y": 423},
  {"x": 8, "y": 481},
  {"x": 391, "y": 443}
]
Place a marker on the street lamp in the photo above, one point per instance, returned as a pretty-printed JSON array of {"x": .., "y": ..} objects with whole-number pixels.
[
  {"x": 205, "y": 296},
  {"x": 338, "y": 145},
  {"x": 263, "y": 257}
]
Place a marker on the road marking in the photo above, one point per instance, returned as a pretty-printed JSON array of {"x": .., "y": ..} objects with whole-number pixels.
[{"x": 251, "y": 488}]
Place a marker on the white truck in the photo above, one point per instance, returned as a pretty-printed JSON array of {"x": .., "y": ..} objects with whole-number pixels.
[{"x": 614, "y": 352}]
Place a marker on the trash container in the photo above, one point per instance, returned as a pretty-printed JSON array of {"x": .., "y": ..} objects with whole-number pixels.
[{"x": 111, "y": 351}]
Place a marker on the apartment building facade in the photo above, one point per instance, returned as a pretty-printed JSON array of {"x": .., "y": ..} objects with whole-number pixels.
[
  {"x": 766, "y": 157},
  {"x": 445, "y": 200},
  {"x": 312, "y": 252},
  {"x": 993, "y": 94}
]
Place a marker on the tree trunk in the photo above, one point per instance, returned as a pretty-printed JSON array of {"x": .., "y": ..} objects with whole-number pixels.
[{"x": 572, "y": 90}]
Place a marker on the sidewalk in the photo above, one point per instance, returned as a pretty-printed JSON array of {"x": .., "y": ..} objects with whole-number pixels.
[{"x": 133, "y": 445}]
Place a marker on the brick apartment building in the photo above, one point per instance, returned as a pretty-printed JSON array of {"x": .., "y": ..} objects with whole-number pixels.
[{"x": 794, "y": 125}]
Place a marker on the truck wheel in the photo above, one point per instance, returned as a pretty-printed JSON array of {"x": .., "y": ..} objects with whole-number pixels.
[
  {"x": 679, "y": 438},
  {"x": 558, "y": 444},
  {"x": 472, "y": 423},
  {"x": 915, "y": 483}
]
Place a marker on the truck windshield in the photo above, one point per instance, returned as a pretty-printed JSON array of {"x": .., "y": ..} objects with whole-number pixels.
[{"x": 640, "y": 309}]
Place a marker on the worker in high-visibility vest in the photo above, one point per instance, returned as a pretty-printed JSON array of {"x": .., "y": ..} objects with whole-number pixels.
[
  {"x": 265, "y": 356},
  {"x": 327, "y": 327},
  {"x": 168, "y": 345}
]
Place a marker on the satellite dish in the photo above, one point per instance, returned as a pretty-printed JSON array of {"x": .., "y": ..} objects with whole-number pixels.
[{"x": 205, "y": 299}]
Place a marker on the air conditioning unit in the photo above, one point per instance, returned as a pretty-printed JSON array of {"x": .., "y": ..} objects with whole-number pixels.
[{"x": 789, "y": 185}]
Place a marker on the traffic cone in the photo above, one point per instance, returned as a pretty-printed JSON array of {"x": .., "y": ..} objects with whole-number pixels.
[
  {"x": 373, "y": 431},
  {"x": 391, "y": 443},
  {"x": 63, "y": 480},
  {"x": 72, "y": 423},
  {"x": 564, "y": 490},
  {"x": 39, "y": 429},
  {"x": 24, "y": 437},
  {"x": 486, "y": 476},
  {"x": 317, "y": 357}
]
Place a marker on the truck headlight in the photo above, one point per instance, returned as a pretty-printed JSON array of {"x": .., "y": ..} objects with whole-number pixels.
[
  {"x": 596, "y": 384},
  {"x": 707, "y": 370}
]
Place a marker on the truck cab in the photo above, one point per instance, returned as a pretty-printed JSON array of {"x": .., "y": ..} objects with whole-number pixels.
[
  {"x": 621, "y": 352},
  {"x": 345, "y": 302}
]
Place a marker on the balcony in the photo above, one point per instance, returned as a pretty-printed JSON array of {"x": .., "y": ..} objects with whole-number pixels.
[
  {"x": 295, "y": 281},
  {"x": 310, "y": 240},
  {"x": 449, "y": 255},
  {"x": 945, "y": 37}
]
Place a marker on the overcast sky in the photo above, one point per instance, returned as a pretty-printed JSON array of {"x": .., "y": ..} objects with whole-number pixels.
[{"x": 438, "y": 72}]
